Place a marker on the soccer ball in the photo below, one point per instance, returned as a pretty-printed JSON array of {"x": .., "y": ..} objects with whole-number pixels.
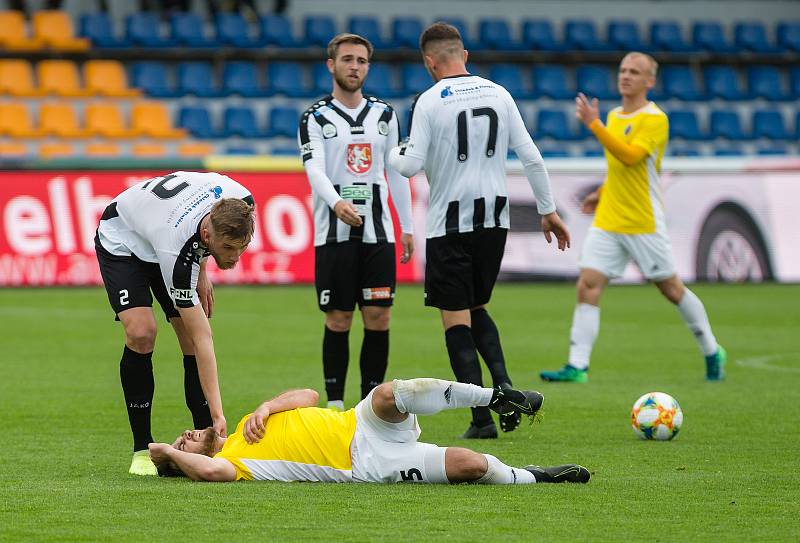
[{"x": 656, "y": 415}]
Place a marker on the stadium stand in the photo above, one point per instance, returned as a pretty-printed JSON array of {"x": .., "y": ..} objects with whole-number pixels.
[
  {"x": 107, "y": 78},
  {"x": 623, "y": 35},
  {"x": 16, "y": 121},
  {"x": 14, "y": 33},
  {"x": 59, "y": 119},
  {"x": 60, "y": 78},
  {"x": 105, "y": 119},
  {"x": 406, "y": 31},
  {"x": 54, "y": 29},
  {"x": 16, "y": 78}
]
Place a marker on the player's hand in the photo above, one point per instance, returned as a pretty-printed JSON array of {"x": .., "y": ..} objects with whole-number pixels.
[
  {"x": 589, "y": 204},
  {"x": 220, "y": 425},
  {"x": 407, "y": 241},
  {"x": 254, "y": 425},
  {"x": 586, "y": 111},
  {"x": 347, "y": 213},
  {"x": 205, "y": 290},
  {"x": 552, "y": 224},
  {"x": 159, "y": 453}
]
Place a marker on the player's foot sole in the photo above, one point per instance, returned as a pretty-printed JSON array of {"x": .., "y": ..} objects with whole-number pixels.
[
  {"x": 567, "y": 374},
  {"x": 715, "y": 365},
  {"x": 142, "y": 465},
  {"x": 488, "y": 431},
  {"x": 511, "y": 404},
  {"x": 568, "y": 473}
]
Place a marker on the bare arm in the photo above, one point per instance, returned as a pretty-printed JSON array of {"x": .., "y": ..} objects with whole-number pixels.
[
  {"x": 198, "y": 467},
  {"x": 292, "y": 399},
  {"x": 589, "y": 114},
  {"x": 205, "y": 289}
]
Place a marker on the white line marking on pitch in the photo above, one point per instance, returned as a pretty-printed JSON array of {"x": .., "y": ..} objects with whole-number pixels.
[{"x": 763, "y": 362}]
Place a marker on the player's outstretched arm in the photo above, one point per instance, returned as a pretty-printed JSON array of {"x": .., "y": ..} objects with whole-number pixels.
[
  {"x": 198, "y": 467},
  {"x": 291, "y": 399},
  {"x": 589, "y": 114}
]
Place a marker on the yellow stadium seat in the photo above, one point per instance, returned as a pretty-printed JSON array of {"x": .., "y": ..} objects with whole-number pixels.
[
  {"x": 15, "y": 121},
  {"x": 195, "y": 149},
  {"x": 102, "y": 149},
  {"x": 13, "y": 149},
  {"x": 56, "y": 150},
  {"x": 14, "y": 33},
  {"x": 105, "y": 119},
  {"x": 59, "y": 77},
  {"x": 148, "y": 149},
  {"x": 59, "y": 119},
  {"x": 152, "y": 119},
  {"x": 108, "y": 78},
  {"x": 54, "y": 29},
  {"x": 16, "y": 78}
]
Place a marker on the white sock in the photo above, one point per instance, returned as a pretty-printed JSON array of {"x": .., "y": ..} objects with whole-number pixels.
[
  {"x": 336, "y": 404},
  {"x": 428, "y": 396},
  {"x": 695, "y": 317},
  {"x": 500, "y": 474},
  {"x": 585, "y": 327}
]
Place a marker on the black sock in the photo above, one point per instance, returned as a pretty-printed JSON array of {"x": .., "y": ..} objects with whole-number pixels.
[
  {"x": 374, "y": 359},
  {"x": 487, "y": 340},
  {"x": 193, "y": 390},
  {"x": 335, "y": 357},
  {"x": 466, "y": 366},
  {"x": 136, "y": 375}
]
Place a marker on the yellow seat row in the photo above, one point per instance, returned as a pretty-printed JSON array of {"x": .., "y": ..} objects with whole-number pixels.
[
  {"x": 61, "y": 78},
  {"x": 100, "y": 149},
  {"x": 51, "y": 28}
]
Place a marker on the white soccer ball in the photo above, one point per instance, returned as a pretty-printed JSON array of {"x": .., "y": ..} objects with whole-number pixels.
[{"x": 656, "y": 415}]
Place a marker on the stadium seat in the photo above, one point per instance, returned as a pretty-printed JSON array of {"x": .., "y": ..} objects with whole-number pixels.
[
  {"x": 319, "y": 30},
  {"x": 595, "y": 82},
  {"x": 197, "y": 121},
  {"x": 723, "y": 82},
  {"x": 788, "y": 35},
  {"x": 233, "y": 30},
  {"x": 683, "y": 124},
  {"x": 797, "y": 126},
  {"x": 107, "y": 78},
  {"x": 102, "y": 149},
  {"x": 539, "y": 35},
  {"x": 15, "y": 121},
  {"x": 99, "y": 29},
  {"x": 381, "y": 81},
  {"x": 728, "y": 151},
  {"x": 16, "y": 78},
  {"x": 794, "y": 82},
  {"x": 288, "y": 79},
  {"x": 668, "y": 36},
  {"x": 553, "y": 124},
  {"x": 581, "y": 35},
  {"x": 56, "y": 150},
  {"x": 241, "y": 78},
  {"x": 682, "y": 151},
  {"x": 406, "y": 31},
  {"x": 277, "y": 30},
  {"x": 771, "y": 150},
  {"x": 769, "y": 124},
  {"x": 241, "y": 121},
  {"x": 59, "y": 119},
  {"x": 370, "y": 28},
  {"x": 195, "y": 149},
  {"x": 726, "y": 124},
  {"x": 679, "y": 82},
  {"x": 415, "y": 79},
  {"x": 152, "y": 119},
  {"x": 321, "y": 80},
  {"x": 510, "y": 76},
  {"x": 496, "y": 34},
  {"x": 551, "y": 81},
  {"x": 290, "y": 150},
  {"x": 752, "y": 36},
  {"x": 550, "y": 151},
  {"x": 151, "y": 77},
  {"x": 105, "y": 119},
  {"x": 54, "y": 28},
  {"x": 197, "y": 78},
  {"x": 241, "y": 150},
  {"x": 13, "y": 149},
  {"x": 710, "y": 36},
  {"x": 188, "y": 30},
  {"x": 148, "y": 149},
  {"x": 143, "y": 29},
  {"x": 14, "y": 32},
  {"x": 593, "y": 151},
  {"x": 283, "y": 121},
  {"x": 60, "y": 78},
  {"x": 766, "y": 82},
  {"x": 466, "y": 35},
  {"x": 623, "y": 35}
]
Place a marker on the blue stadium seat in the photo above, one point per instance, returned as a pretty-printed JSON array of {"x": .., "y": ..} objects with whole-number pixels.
[
  {"x": 288, "y": 79},
  {"x": 406, "y": 31},
  {"x": 370, "y": 28},
  {"x": 241, "y": 121},
  {"x": 794, "y": 82},
  {"x": 321, "y": 80},
  {"x": 234, "y": 31},
  {"x": 581, "y": 35},
  {"x": 197, "y": 78},
  {"x": 772, "y": 150},
  {"x": 593, "y": 151},
  {"x": 668, "y": 36},
  {"x": 551, "y": 151},
  {"x": 381, "y": 81},
  {"x": 553, "y": 124},
  {"x": 728, "y": 151},
  {"x": 496, "y": 34},
  {"x": 241, "y": 150},
  {"x": 788, "y": 35},
  {"x": 766, "y": 82},
  {"x": 277, "y": 30},
  {"x": 723, "y": 82},
  {"x": 551, "y": 81},
  {"x": 187, "y": 30},
  {"x": 510, "y": 76},
  {"x": 539, "y": 35},
  {"x": 769, "y": 124},
  {"x": 280, "y": 150},
  {"x": 319, "y": 30},
  {"x": 99, "y": 28},
  {"x": 681, "y": 151},
  {"x": 415, "y": 79},
  {"x": 752, "y": 36},
  {"x": 153, "y": 79},
  {"x": 595, "y": 82},
  {"x": 283, "y": 121},
  {"x": 623, "y": 35},
  {"x": 144, "y": 30},
  {"x": 797, "y": 126},
  {"x": 466, "y": 36},
  {"x": 679, "y": 82},
  {"x": 683, "y": 124},
  {"x": 197, "y": 121},
  {"x": 726, "y": 124},
  {"x": 241, "y": 77},
  {"x": 710, "y": 36}
]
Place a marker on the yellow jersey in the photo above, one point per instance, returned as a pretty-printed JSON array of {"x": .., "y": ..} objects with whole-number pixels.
[
  {"x": 631, "y": 200},
  {"x": 305, "y": 444}
]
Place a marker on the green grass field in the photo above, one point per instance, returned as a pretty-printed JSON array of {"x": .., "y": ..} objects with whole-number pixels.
[{"x": 730, "y": 475}]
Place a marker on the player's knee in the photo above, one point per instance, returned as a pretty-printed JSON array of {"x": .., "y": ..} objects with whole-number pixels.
[
  {"x": 376, "y": 318},
  {"x": 141, "y": 337},
  {"x": 383, "y": 397},
  {"x": 464, "y": 465},
  {"x": 339, "y": 321}
]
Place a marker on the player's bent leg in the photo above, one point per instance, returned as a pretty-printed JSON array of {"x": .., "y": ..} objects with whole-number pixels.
[
  {"x": 384, "y": 404},
  {"x": 374, "y": 357},
  {"x": 463, "y": 465}
]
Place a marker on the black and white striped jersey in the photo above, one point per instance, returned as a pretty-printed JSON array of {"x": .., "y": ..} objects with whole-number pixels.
[
  {"x": 158, "y": 221},
  {"x": 345, "y": 155}
]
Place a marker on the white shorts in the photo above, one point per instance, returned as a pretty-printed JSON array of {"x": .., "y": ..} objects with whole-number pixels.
[
  {"x": 387, "y": 452},
  {"x": 609, "y": 253}
]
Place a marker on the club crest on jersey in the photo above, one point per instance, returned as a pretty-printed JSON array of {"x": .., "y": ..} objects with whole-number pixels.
[
  {"x": 628, "y": 129},
  {"x": 359, "y": 157},
  {"x": 328, "y": 131},
  {"x": 383, "y": 128}
]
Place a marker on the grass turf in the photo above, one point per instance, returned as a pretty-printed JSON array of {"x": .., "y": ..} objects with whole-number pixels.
[{"x": 731, "y": 474}]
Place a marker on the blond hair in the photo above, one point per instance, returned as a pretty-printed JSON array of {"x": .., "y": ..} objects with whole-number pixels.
[{"x": 650, "y": 60}]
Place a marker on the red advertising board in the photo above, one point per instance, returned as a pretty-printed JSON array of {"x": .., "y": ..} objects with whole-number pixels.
[{"x": 49, "y": 220}]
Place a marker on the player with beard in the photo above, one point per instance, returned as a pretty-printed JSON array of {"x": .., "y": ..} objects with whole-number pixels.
[
  {"x": 345, "y": 139},
  {"x": 153, "y": 240}
]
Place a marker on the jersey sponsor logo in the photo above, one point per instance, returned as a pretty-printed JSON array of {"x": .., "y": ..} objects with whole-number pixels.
[
  {"x": 446, "y": 92},
  {"x": 376, "y": 293},
  {"x": 306, "y": 148},
  {"x": 356, "y": 129},
  {"x": 628, "y": 129},
  {"x": 359, "y": 157},
  {"x": 383, "y": 128},
  {"x": 180, "y": 293},
  {"x": 217, "y": 192},
  {"x": 328, "y": 131},
  {"x": 356, "y": 192}
]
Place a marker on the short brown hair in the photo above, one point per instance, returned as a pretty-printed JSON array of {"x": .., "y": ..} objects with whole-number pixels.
[
  {"x": 233, "y": 218},
  {"x": 333, "y": 45},
  {"x": 439, "y": 31}
]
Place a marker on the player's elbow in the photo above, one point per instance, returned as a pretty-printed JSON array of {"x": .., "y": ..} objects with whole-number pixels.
[{"x": 312, "y": 396}]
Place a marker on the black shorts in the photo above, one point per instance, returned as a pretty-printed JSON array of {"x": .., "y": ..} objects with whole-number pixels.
[
  {"x": 461, "y": 269},
  {"x": 129, "y": 282},
  {"x": 353, "y": 272}
]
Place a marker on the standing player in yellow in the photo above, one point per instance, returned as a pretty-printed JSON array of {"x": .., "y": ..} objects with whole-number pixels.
[{"x": 629, "y": 220}]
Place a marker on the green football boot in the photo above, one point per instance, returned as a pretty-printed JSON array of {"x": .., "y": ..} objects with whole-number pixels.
[
  {"x": 715, "y": 364},
  {"x": 142, "y": 465},
  {"x": 567, "y": 374}
]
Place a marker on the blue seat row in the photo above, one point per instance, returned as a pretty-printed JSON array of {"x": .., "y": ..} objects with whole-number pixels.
[{"x": 239, "y": 121}]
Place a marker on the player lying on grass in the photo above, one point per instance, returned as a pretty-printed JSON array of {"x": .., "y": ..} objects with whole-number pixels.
[{"x": 289, "y": 439}]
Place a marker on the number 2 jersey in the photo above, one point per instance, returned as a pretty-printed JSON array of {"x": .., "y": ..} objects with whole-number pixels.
[{"x": 158, "y": 221}]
